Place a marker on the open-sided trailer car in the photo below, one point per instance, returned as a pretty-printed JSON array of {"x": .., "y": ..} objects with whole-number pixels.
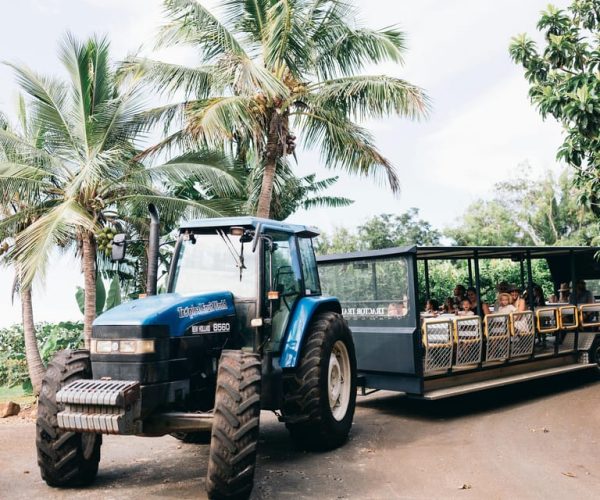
[{"x": 400, "y": 350}]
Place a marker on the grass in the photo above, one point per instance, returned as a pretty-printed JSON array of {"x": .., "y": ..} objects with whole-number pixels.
[{"x": 16, "y": 394}]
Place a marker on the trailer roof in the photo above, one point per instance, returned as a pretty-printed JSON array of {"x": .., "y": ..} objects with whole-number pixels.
[
  {"x": 249, "y": 221},
  {"x": 459, "y": 252}
]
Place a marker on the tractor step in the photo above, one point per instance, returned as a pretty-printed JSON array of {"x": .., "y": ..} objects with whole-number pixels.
[{"x": 102, "y": 406}]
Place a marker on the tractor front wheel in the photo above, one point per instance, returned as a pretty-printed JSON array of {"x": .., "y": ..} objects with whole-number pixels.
[
  {"x": 320, "y": 394},
  {"x": 232, "y": 456},
  {"x": 65, "y": 458}
]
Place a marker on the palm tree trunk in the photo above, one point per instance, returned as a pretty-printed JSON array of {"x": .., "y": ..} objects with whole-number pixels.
[
  {"x": 273, "y": 153},
  {"x": 89, "y": 284},
  {"x": 35, "y": 366}
]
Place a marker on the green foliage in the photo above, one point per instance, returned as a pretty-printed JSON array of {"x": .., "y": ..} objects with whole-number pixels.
[
  {"x": 564, "y": 84},
  {"x": 381, "y": 231},
  {"x": 51, "y": 337},
  {"x": 445, "y": 275},
  {"x": 529, "y": 211},
  {"x": 104, "y": 302}
]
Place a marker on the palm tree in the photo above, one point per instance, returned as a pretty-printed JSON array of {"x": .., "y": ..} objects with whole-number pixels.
[
  {"x": 271, "y": 65},
  {"x": 85, "y": 164},
  {"x": 12, "y": 205}
]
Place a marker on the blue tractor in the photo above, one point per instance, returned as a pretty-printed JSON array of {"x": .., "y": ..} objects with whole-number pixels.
[{"x": 242, "y": 327}]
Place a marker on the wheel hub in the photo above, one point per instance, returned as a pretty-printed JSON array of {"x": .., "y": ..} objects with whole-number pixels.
[{"x": 338, "y": 380}]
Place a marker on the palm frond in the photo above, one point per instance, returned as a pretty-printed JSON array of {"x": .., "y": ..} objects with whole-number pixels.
[
  {"x": 174, "y": 207},
  {"x": 169, "y": 78},
  {"x": 23, "y": 180},
  {"x": 49, "y": 98},
  {"x": 362, "y": 97},
  {"x": 345, "y": 144},
  {"x": 343, "y": 50},
  {"x": 34, "y": 245},
  {"x": 214, "y": 120},
  {"x": 193, "y": 23},
  {"x": 326, "y": 202}
]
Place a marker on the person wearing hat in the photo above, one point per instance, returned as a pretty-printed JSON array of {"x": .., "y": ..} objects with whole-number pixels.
[
  {"x": 581, "y": 294},
  {"x": 563, "y": 292}
]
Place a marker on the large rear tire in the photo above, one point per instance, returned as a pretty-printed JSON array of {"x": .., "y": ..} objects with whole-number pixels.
[
  {"x": 320, "y": 394},
  {"x": 232, "y": 457},
  {"x": 65, "y": 458}
]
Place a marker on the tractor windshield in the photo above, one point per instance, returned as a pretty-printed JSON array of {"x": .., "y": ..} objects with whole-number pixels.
[{"x": 211, "y": 262}]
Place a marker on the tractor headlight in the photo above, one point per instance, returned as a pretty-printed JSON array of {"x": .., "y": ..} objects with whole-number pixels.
[{"x": 123, "y": 346}]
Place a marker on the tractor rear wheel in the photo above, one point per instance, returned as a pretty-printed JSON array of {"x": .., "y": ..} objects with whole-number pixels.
[
  {"x": 232, "y": 456},
  {"x": 320, "y": 394},
  {"x": 65, "y": 458}
]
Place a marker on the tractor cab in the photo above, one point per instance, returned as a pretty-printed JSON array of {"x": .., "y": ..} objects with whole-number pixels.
[{"x": 266, "y": 265}]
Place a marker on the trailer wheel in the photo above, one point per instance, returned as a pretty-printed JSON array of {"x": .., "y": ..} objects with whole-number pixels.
[
  {"x": 65, "y": 458},
  {"x": 320, "y": 395},
  {"x": 232, "y": 456},
  {"x": 595, "y": 353}
]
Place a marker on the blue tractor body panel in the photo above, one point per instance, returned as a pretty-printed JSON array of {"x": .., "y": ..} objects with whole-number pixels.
[
  {"x": 174, "y": 310},
  {"x": 298, "y": 324}
]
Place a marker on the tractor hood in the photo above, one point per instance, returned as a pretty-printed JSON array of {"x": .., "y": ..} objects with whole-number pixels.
[{"x": 174, "y": 310}]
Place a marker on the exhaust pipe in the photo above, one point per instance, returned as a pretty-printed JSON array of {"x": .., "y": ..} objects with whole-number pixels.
[{"x": 153, "y": 243}]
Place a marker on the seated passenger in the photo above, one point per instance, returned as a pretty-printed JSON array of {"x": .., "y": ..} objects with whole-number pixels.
[
  {"x": 505, "y": 304},
  {"x": 582, "y": 294},
  {"x": 517, "y": 300},
  {"x": 472, "y": 297},
  {"x": 459, "y": 295},
  {"x": 502, "y": 287},
  {"x": 564, "y": 292},
  {"x": 465, "y": 308},
  {"x": 397, "y": 309},
  {"x": 538, "y": 296},
  {"x": 448, "y": 306},
  {"x": 432, "y": 307}
]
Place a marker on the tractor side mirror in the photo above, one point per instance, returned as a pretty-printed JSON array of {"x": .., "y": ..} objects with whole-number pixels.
[{"x": 119, "y": 246}]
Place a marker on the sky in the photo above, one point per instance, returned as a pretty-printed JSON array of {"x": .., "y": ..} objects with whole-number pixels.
[{"x": 480, "y": 129}]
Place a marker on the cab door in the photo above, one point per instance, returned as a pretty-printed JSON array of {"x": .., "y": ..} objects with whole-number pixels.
[{"x": 282, "y": 281}]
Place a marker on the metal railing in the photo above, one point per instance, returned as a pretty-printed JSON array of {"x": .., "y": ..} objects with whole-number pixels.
[
  {"x": 439, "y": 343},
  {"x": 468, "y": 339},
  {"x": 497, "y": 333}
]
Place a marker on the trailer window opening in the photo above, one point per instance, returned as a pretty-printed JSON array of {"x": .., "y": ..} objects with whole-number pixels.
[{"x": 369, "y": 290}]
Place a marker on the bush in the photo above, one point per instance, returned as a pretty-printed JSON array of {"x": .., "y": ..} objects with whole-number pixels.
[{"x": 51, "y": 337}]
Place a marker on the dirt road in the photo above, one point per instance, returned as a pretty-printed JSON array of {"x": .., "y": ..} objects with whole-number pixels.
[{"x": 536, "y": 440}]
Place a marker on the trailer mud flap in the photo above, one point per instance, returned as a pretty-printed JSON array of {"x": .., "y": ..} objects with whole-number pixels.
[{"x": 101, "y": 406}]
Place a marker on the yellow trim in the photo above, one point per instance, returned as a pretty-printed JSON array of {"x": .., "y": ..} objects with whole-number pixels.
[
  {"x": 575, "y": 313},
  {"x": 595, "y": 308},
  {"x": 437, "y": 322},
  {"x": 463, "y": 319},
  {"x": 521, "y": 314},
  {"x": 496, "y": 315},
  {"x": 556, "y": 318}
]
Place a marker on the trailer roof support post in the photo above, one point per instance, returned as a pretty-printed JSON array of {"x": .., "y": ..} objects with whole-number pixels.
[
  {"x": 427, "y": 290},
  {"x": 470, "y": 265},
  {"x": 530, "y": 297},
  {"x": 477, "y": 282},
  {"x": 574, "y": 290},
  {"x": 522, "y": 265}
]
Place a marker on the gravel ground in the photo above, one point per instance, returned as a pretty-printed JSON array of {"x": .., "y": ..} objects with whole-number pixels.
[{"x": 534, "y": 440}]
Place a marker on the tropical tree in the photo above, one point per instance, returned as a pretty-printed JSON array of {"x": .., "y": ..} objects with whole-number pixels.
[
  {"x": 528, "y": 210},
  {"x": 381, "y": 231},
  {"x": 564, "y": 84},
  {"x": 13, "y": 203},
  {"x": 86, "y": 163},
  {"x": 270, "y": 69}
]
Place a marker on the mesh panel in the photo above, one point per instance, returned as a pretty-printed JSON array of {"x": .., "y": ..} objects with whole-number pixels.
[
  {"x": 523, "y": 334},
  {"x": 498, "y": 336},
  {"x": 468, "y": 341},
  {"x": 438, "y": 345}
]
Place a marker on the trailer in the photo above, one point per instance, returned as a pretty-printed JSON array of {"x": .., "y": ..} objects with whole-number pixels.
[{"x": 399, "y": 348}]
